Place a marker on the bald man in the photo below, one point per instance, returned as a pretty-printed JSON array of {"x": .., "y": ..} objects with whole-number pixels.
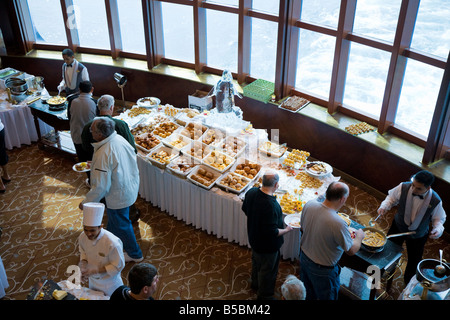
[
  {"x": 265, "y": 233},
  {"x": 325, "y": 237}
]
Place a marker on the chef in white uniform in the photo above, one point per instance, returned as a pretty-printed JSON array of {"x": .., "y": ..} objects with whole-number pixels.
[{"x": 101, "y": 252}]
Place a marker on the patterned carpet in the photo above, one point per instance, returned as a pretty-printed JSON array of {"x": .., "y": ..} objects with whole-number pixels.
[{"x": 41, "y": 221}]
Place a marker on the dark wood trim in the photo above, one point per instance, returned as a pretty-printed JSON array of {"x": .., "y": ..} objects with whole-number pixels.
[
  {"x": 104, "y": 52},
  {"x": 115, "y": 37},
  {"x": 408, "y": 135},
  {"x": 341, "y": 55},
  {"x": 148, "y": 33},
  {"x": 73, "y": 40},
  {"x": 316, "y": 28},
  {"x": 367, "y": 41},
  {"x": 262, "y": 15},
  {"x": 358, "y": 114},
  {"x": 132, "y": 55},
  {"x": 199, "y": 36},
  {"x": 244, "y": 40},
  {"x": 178, "y": 63},
  {"x": 219, "y": 7},
  {"x": 397, "y": 66},
  {"x": 425, "y": 58},
  {"x": 27, "y": 37}
]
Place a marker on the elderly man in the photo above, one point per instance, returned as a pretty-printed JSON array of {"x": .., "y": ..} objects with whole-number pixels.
[
  {"x": 419, "y": 206},
  {"x": 73, "y": 72},
  {"x": 115, "y": 177},
  {"x": 265, "y": 233},
  {"x": 325, "y": 237},
  {"x": 101, "y": 252},
  {"x": 293, "y": 288}
]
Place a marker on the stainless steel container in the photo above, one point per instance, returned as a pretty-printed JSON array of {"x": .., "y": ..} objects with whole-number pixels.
[{"x": 16, "y": 85}]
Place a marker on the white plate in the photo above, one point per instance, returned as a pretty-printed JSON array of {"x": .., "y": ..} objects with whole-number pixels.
[
  {"x": 314, "y": 173},
  {"x": 148, "y": 102},
  {"x": 85, "y": 170},
  {"x": 293, "y": 220}
]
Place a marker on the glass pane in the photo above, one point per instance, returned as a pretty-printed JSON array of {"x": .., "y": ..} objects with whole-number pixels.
[
  {"x": 222, "y": 40},
  {"x": 366, "y": 78},
  {"x": 227, "y": 2},
  {"x": 178, "y": 28},
  {"x": 432, "y": 29},
  {"x": 48, "y": 21},
  {"x": 321, "y": 12},
  {"x": 377, "y": 18},
  {"x": 315, "y": 62},
  {"x": 264, "y": 49},
  {"x": 131, "y": 26},
  {"x": 92, "y": 24},
  {"x": 272, "y": 6},
  {"x": 418, "y": 98}
]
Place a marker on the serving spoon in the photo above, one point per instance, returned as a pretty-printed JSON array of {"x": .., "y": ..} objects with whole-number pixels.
[
  {"x": 440, "y": 269},
  {"x": 372, "y": 222}
]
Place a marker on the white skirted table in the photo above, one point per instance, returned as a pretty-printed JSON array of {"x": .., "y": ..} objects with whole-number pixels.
[
  {"x": 3, "y": 280},
  {"x": 215, "y": 211}
]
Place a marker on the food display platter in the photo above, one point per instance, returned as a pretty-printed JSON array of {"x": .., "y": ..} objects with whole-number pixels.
[
  {"x": 233, "y": 182},
  {"x": 271, "y": 149},
  {"x": 197, "y": 150},
  {"x": 197, "y": 172},
  {"x": 218, "y": 161},
  {"x": 187, "y": 163},
  {"x": 318, "y": 169},
  {"x": 233, "y": 146},
  {"x": 176, "y": 141},
  {"x": 82, "y": 167},
  {"x": 294, "y": 104},
  {"x": 148, "y": 102},
  {"x": 246, "y": 168},
  {"x": 293, "y": 220},
  {"x": 153, "y": 142},
  {"x": 161, "y": 156}
]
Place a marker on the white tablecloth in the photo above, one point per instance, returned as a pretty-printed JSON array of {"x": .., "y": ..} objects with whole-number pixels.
[
  {"x": 19, "y": 124},
  {"x": 214, "y": 211},
  {"x": 3, "y": 280}
]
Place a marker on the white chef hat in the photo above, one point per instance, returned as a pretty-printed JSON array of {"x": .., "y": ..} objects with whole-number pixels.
[{"x": 93, "y": 214}]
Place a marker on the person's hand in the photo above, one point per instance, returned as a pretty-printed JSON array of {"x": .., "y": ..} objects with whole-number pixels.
[
  {"x": 437, "y": 231},
  {"x": 80, "y": 206},
  {"x": 359, "y": 234},
  {"x": 60, "y": 88},
  {"x": 288, "y": 228},
  {"x": 381, "y": 211}
]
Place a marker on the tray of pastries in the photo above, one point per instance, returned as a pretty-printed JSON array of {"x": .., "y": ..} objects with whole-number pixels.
[
  {"x": 233, "y": 182},
  {"x": 183, "y": 165},
  {"x": 148, "y": 102},
  {"x": 165, "y": 129},
  {"x": 196, "y": 149},
  {"x": 246, "y": 168},
  {"x": 194, "y": 130},
  {"x": 318, "y": 169},
  {"x": 294, "y": 104},
  {"x": 146, "y": 141},
  {"x": 213, "y": 137},
  {"x": 203, "y": 176},
  {"x": 161, "y": 156},
  {"x": 271, "y": 149},
  {"x": 176, "y": 141},
  {"x": 233, "y": 146},
  {"x": 142, "y": 128},
  {"x": 218, "y": 161}
]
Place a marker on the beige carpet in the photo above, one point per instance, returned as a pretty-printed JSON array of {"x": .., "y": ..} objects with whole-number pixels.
[{"x": 41, "y": 222}]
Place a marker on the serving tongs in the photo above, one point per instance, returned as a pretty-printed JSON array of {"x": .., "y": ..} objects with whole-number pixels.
[{"x": 372, "y": 221}]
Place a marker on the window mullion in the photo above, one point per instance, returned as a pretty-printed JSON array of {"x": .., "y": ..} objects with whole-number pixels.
[
  {"x": 439, "y": 138},
  {"x": 244, "y": 41},
  {"x": 199, "y": 36},
  {"x": 397, "y": 67},
  {"x": 153, "y": 32},
  {"x": 70, "y": 24},
  {"x": 112, "y": 16},
  {"x": 341, "y": 54}
]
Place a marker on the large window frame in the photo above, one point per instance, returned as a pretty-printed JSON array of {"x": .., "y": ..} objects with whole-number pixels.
[{"x": 436, "y": 146}]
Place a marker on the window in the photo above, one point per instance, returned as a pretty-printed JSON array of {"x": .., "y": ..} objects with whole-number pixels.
[
  {"x": 178, "y": 29},
  {"x": 315, "y": 62},
  {"x": 222, "y": 40},
  {"x": 377, "y": 18},
  {"x": 432, "y": 29},
  {"x": 321, "y": 12},
  {"x": 418, "y": 97},
  {"x": 272, "y": 6},
  {"x": 366, "y": 79},
  {"x": 264, "y": 49},
  {"x": 91, "y": 23},
  {"x": 41, "y": 13},
  {"x": 131, "y": 26}
]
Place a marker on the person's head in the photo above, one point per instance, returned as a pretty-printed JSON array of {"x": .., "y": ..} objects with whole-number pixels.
[
  {"x": 143, "y": 280},
  {"x": 68, "y": 56},
  {"x": 102, "y": 128},
  {"x": 85, "y": 86},
  {"x": 92, "y": 219},
  {"x": 293, "y": 288},
  {"x": 270, "y": 180},
  {"x": 422, "y": 181},
  {"x": 337, "y": 193},
  {"x": 105, "y": 104}
]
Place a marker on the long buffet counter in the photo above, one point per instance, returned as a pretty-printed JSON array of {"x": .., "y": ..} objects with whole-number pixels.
[{"x": 198, "y": 166}]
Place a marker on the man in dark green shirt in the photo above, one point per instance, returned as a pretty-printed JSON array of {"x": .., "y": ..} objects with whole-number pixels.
[{"x": 265, "y": 233}]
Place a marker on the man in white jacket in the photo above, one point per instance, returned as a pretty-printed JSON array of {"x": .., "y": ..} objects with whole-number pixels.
[
  {"x": 101, "y": 252},
  {"x": 115, "y": 177}
]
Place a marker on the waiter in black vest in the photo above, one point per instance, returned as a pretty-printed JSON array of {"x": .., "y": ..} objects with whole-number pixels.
[
  {"x": 418, "y": 208},
  {"x": 73, "y": 72}
]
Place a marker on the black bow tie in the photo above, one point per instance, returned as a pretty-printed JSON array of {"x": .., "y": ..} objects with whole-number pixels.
[
  {"x": 418, "y": 195},
  {"x": 69, "y": 65}
]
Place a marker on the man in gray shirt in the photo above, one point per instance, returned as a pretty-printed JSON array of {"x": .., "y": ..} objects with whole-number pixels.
[
  {"x": 325, "y": 237},
  {"x": 82, "y": 109}
]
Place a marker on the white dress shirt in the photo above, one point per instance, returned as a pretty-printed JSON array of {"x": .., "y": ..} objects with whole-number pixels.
[{"x": 70, "y": 78}]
